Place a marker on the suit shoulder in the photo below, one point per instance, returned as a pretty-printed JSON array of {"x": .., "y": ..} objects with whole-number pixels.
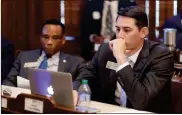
[
  {"x": 105, "y": 45},
  {"x": 5, "y": 43},
  {"x": 104, "y": 49},
  {"x": 74, "y": 58},
  {"x": 30, "y": 52},
  {"x": 160, "y": 48}
]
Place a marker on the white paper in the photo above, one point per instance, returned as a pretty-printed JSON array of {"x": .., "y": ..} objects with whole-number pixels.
[
  {"x": 131, "y": 111},
  {"x": 23, "y": 83},
  {"x": 180, "y": 57},
  {"x": 15, "y": 91},
  {"x": 33, "y": 105},
  {"x": 108, "y": 108},
  {"x": 96, "y": 47},
  {"x": 4, "y": 102}
]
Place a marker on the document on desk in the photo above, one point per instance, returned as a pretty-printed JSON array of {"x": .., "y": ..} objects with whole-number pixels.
[
  {"x": 108, "y": 108},
  {"x": 131, "y": 111},
  {"x": 14, "y": 91},
  {"x": 23, "y": 83}
]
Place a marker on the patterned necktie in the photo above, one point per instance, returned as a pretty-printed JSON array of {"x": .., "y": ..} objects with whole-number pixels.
[
  {"x": 109, "y": 24},
  {"x": 43, "y": 64},
  {"x": 123, "y": 97}
]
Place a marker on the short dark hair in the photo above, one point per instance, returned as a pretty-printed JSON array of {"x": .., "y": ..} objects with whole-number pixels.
[
  {"x": 137, "y": 13},
  {"x": 54, "y": 22}
]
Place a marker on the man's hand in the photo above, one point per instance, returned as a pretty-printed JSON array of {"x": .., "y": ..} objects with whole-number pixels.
[
  {"x": 118, "y": 47},
  {"x": 75, "y": 97}
]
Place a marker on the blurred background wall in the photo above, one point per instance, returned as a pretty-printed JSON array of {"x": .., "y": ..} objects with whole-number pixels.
[{"x": 22, "y": 19}]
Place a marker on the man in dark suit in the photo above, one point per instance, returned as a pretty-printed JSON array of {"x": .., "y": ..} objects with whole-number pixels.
[
  {"x": 49, "y": 57},
  {"x": 129, "y": 70},
  {"x": 91, "y": 22},
  {"x": 7, "y": 57},
  {"x": 176, "y": 23}
]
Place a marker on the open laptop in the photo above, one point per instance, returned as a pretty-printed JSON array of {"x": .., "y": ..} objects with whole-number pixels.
[{"x": 55, "y": 84}]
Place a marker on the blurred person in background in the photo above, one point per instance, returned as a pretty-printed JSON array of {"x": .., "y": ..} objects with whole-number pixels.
[
  {"x": 7, "y": 57},
  {"x": 98, "y": 23}
]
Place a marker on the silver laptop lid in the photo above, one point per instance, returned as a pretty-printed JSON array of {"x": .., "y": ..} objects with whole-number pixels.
[{"x": 55, "y": 84}]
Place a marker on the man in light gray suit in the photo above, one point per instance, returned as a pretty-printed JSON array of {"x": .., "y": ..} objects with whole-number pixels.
[{"x": 49, "y": 57}]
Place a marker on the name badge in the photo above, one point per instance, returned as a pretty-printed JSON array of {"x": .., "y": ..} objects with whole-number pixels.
[
  {"x": 112, "y": 65},
  {"x": 31, "y": 64}
]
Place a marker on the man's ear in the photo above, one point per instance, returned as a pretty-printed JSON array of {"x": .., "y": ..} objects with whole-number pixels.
[
  {"x": 63, "y": 40},
  {"x": 144, "y": 32}
]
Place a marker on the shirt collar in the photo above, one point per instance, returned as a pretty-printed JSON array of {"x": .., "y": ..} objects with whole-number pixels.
[
  {"x": 53, "y": 60},
  {"x": 134, "y": 57},
  {"x": 55, "y": 56}
]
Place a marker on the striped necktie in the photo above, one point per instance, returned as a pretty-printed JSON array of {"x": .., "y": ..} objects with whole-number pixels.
[{"x": 123, "y": 96}]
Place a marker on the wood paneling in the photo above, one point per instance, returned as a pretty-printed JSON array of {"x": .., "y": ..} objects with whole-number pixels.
[
  {"x": 34, "y": 22},
  {"x": 72, "y": 17},
  {"x": 152, "y": 6},
  {"x": 166, "y": 11},
  {"x": 169, "y": 8},
  {"x": 14, "y": 22},
  {"x": 22, "y": 19},
  {"x": 50, "y": 9},
  {"x": 162, "y": 12},
  {"x": 179, "y": 6}
]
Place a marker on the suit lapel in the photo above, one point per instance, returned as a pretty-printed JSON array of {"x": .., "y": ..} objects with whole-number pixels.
[
  {"x": 112, "y": 76},
  {"x": 62, "y": 62},
  {"x": 35, "y": 56},
  {"x": 142, "y": 58}
]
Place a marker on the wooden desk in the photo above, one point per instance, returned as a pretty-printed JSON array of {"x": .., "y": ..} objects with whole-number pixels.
[
  {"x": 17, "y": 103},
  {"x": 176, "y": 88},
  {"x": 176, "y": 91},
  {"x": 28, "y": 103}
]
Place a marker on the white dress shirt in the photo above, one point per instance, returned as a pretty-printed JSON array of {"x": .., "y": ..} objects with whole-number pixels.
[
  {"x": 52, "y": 62},
  {"x": 132, "y": 58}
]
